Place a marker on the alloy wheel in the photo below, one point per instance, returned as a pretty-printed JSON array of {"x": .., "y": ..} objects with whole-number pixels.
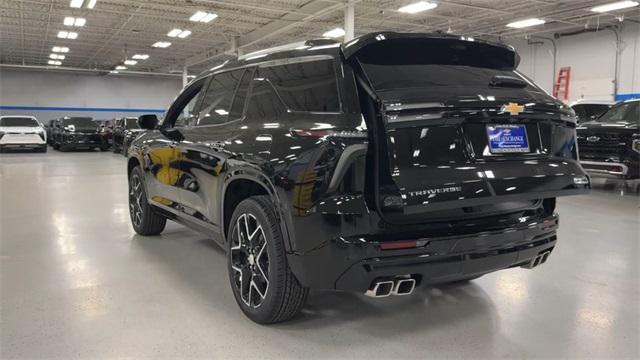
[
  {"x": 250, "y": 260},
  {"x": 135, "y": 198}
]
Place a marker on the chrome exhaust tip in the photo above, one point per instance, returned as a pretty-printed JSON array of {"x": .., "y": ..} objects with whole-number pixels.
[
  {"x": 380, "y": 289},
  {"x": 404, "y": 287},
  {"x": 538, "y": 260}
]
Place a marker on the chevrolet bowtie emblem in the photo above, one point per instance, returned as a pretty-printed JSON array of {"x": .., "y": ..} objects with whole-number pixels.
[{"x": 512, "y": 108}]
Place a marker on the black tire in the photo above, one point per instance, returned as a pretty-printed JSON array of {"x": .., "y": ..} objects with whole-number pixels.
[
  {"x": 144, "y": 219},
  {"x": 56, "y": 146},
  {"x": 43, "y": 149},
  {"x": 104, "y": 148},
  {"x": 284, "y": 297},
  {"x": 115, "y": 149}
]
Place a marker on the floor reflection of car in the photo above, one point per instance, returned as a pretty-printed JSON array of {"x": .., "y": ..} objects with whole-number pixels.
[
  {"x": 72, "y": 133},
  {"x": 610, "y": 145},
  {"x": 22, "y": 132},
  {"x": 124, "y": 131},
  {"x": 588, "y": 110},
  {"x": 391, "y": 161}
]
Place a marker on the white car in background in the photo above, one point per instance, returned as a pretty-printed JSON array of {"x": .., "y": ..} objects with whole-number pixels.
[
  {"x": 589, "y": 110},
  {"x": 19, "y": 132}
]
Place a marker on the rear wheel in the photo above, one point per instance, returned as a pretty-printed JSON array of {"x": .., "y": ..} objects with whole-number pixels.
[
  {"x": 263, "y": 285},
  {"x": 144, "y": 219}
]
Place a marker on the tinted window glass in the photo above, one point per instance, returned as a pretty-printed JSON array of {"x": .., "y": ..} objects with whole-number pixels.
[
  {"x": 587, "y": 111},
  {"x": 79, "y": 121},
  {"x": 241, "y": 95},
  {"x": 623, "y": 112},
  {"x": 187, "y": 114},
  {"x": 217, "y": 100},
  {"x": 305, "y": 86},
  {"x": 389, "y": 77},
  {"x": 264, "y": 102},
  {"x": 132, "y": 123},
  {"x": 18, "y": 121}
]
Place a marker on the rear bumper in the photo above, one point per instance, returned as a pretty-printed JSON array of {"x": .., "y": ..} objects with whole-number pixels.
[{"x": 353, "y": 264}]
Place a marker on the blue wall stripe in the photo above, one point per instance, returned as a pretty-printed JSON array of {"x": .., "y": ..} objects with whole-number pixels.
[
  {"x": 65, "y": 108},
  {"x": 622, "y": 97}
]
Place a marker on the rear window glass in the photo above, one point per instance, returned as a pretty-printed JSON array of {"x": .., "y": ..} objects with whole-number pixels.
[
  {"x": 389, "y": 77},
  {"x": 18, "y": 121},
  {"x": 589, "y": 111},
  {"x": 623, "y": 112},
  {"x": 79, "y": 121},
  {"x": 305, "y": 86},
  {"x": 131, "y": 123}
]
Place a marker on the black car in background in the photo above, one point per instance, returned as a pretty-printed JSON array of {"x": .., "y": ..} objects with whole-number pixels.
[
  {"x": 374, "y": 166},
  {"x": 124, "y": 131},
  {"x": 610, "y": 145},
  {"x": 78, "y": 133},
  {"x": 49, "y": 126}
]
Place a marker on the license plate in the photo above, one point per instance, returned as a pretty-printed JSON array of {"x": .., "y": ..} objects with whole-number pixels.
[{"x": 507, "y": 139}]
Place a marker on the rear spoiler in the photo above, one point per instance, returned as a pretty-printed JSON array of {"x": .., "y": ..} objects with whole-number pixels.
[{"x": 491, "y": 54}]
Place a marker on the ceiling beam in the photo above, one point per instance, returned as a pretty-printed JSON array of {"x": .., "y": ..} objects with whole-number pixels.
[{"x": 314, "y": 9}]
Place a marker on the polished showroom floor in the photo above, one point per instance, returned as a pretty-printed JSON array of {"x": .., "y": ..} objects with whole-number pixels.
[{"x": 76, "y": 282}]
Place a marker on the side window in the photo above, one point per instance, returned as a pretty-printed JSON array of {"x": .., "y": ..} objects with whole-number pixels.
[
  {"x": 216, "y": 103},
  {"x": 187, "y": 115},
  {"x": 264, "y": 103},
  {"x": 305, "y": 86}
]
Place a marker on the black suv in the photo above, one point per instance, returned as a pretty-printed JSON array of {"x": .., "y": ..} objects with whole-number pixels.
[
  {"x": 610, "y": 145},
  {"x": 78, "y": 133},
  {"x": 124, "y": 131},
  {"x": 374, "y": 166}
]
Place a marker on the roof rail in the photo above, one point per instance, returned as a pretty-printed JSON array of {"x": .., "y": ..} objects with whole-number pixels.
[{"x": 287, "y": 47}]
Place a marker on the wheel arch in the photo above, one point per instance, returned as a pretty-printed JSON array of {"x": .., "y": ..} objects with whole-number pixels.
[{"x": 242, "y": 184}]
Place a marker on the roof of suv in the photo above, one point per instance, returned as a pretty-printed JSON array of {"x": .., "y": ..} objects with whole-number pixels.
[{"x": 334, "y": 48}]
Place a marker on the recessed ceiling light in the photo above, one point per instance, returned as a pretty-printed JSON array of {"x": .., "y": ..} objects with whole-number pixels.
[
  {"x": 71, "y": 21},
  {"x": 114, "y": 72},
  {"x": 615, "y": 6},
  {"x": 174, "y": 32},
  {"x": 334, "y": 33},
  {"x": 526, "y": 23},
  {"x": 162, "y": 44},
  {"x": 56, "y": 56},
  {"x": 60, "y": 49},
  {"x": 53, "y": 62},
  {"x": 420, "y": 6},
  {"x": 179, "y": 33},
  {"x": 67, "y": 35},
  {"x": 201, "y": 16},
  {"x": 184, "y": 34},
  {"x": 140, "y": 56},
  {"x": 78, "y": 4},
  {"x": 130, "y": 62},
  {"x": 121, "y": 67}
]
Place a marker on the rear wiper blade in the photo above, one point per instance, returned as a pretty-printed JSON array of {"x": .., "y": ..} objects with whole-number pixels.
[{"x": 507, "y": 81}]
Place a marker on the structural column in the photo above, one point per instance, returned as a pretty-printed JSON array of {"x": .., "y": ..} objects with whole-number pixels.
[
  {"x": 349, "y": 21},
  {"x": 185, "y": 78}
]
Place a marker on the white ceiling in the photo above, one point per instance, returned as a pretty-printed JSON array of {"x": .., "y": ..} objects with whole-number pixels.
[{"x": 117, "y": 29}]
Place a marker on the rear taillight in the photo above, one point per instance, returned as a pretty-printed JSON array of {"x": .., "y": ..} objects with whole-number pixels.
[{"x": 395, "y": 245}]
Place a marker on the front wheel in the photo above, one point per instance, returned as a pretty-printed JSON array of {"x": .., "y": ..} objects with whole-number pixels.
[
  {"x": 263, "y": 285},
  {"x": 144, "y": 219}
]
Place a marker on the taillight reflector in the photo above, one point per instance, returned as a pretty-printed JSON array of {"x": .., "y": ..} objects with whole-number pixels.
[{"x": 395, "y": 245}]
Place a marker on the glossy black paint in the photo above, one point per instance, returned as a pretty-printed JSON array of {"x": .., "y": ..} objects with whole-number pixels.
[
  {"x": 384, "y": 166},
  {"x": 612, "y": 148},
  {"x": 88, "y": 135},
  {"x": 124, "y": 131}
]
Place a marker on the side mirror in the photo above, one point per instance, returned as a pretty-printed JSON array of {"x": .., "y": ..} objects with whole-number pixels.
[{"x": 148, "y": 122}]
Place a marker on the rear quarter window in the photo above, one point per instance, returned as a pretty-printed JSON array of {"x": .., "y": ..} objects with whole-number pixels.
[{"x": 305, "y": 86}]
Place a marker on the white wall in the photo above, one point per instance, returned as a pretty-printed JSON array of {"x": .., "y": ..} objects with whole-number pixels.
[
  {"x": 98, "y": 96},
  {"x": 591, "y": 57}
]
